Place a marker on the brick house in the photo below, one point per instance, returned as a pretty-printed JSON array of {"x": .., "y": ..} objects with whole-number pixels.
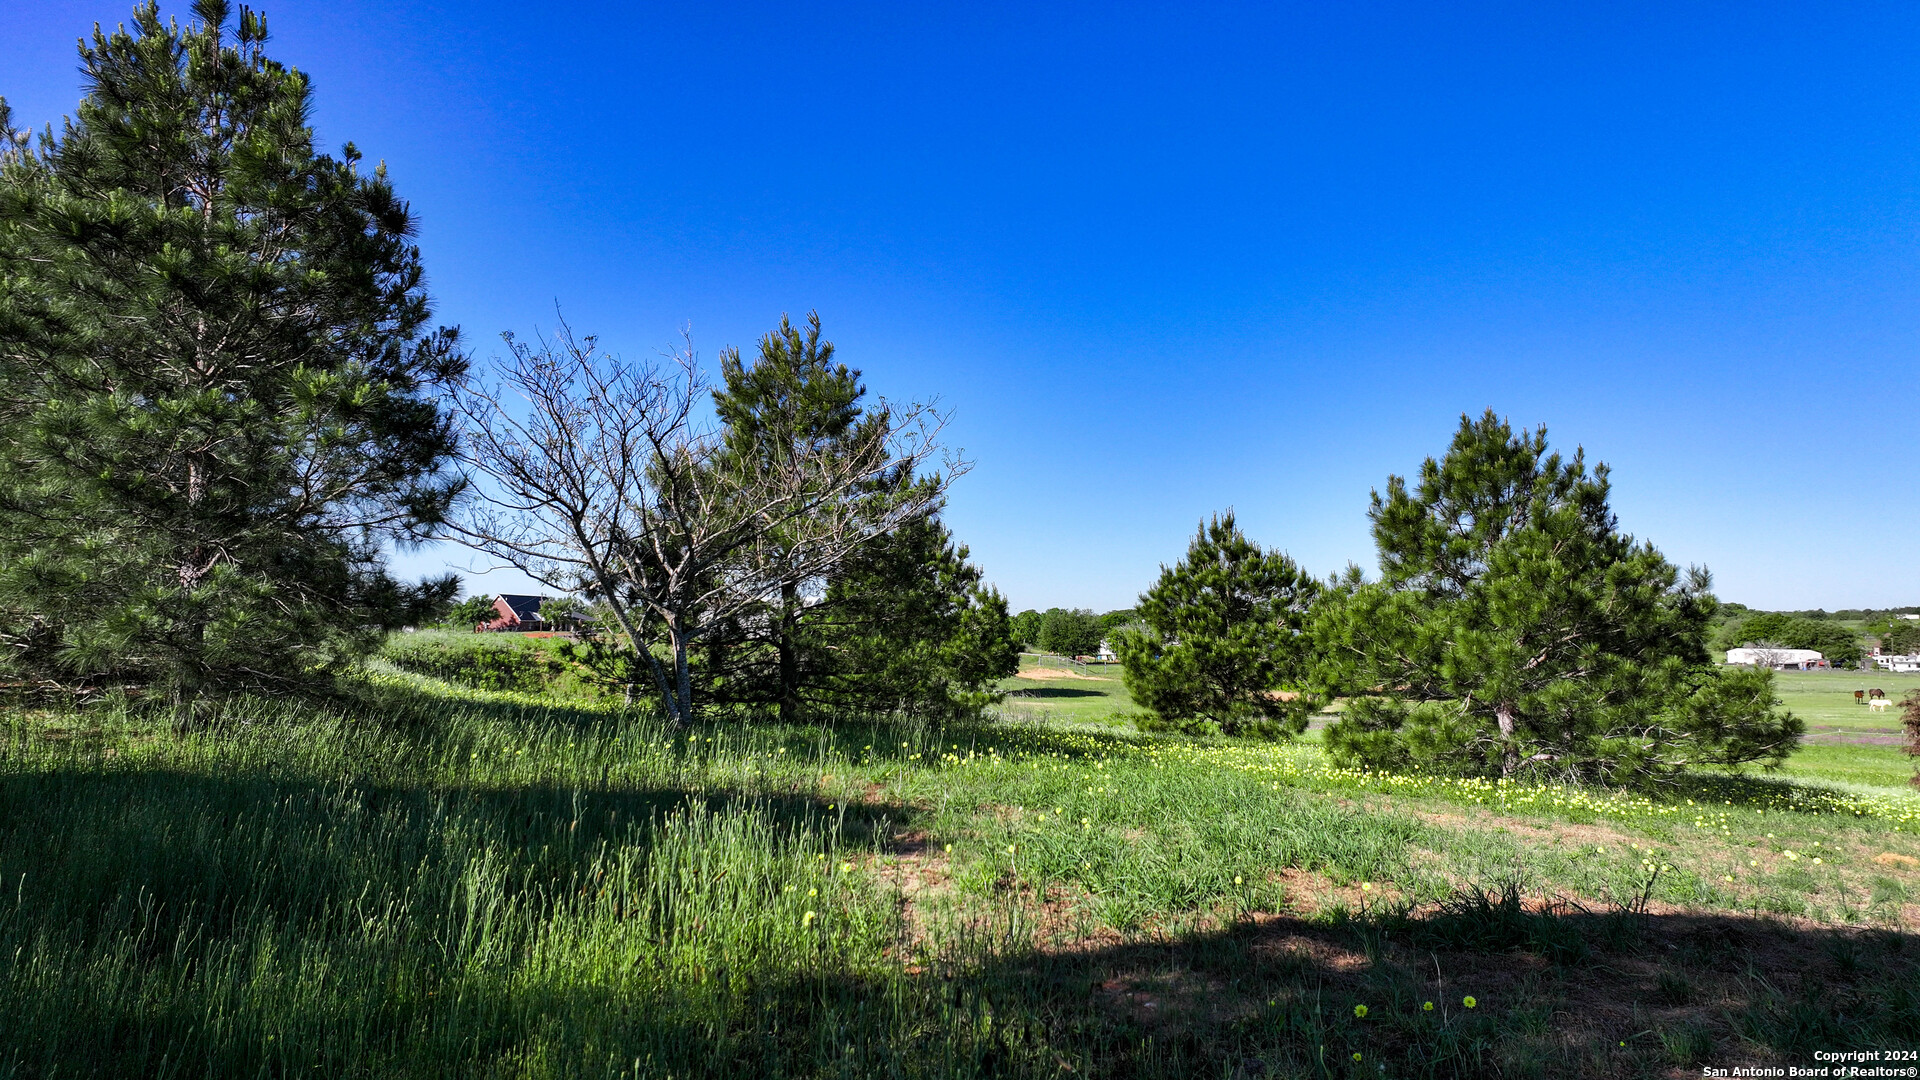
[{"x": 515, "y": 613}]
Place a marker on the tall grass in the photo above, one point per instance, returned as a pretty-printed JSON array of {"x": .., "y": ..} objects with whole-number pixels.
[
  {"x": 473, "y": 893},
  {"x": 436, "y": 882}
]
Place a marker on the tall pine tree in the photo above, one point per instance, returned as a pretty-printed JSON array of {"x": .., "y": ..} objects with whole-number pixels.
[
  {"x": 792, "y": 400},
  {"x": 218, "y": 379},
  {"x": 1516, "y": 630},
  {"x": 901, "y": 623}
]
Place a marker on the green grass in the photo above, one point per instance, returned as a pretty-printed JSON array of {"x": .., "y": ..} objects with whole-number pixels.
[
  {"x": 1096, "y": 698},
  {"x": 453, "y": 882},
  {"x": 494, "y": 661},
  {"x": 1824, "y": 699},
  {"x": 1879, "y": 766},
  {"x": 1848, "y": 741}
]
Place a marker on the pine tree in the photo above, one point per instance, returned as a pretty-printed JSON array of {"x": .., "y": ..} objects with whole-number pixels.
[
  {"x": 1225, "y": 650},
  {"x": 791, "y": 401},
  {"x": 1516, "y": 631},
  {"x": 217, "y": 379},
  {"x": 902, "y": 622},
  {"x": 905, "y": 625}
]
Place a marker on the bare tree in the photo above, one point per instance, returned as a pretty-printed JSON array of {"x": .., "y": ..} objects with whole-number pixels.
[
  {"x": 1768, "y": 654},
  {"x": 606, "y": 477}
]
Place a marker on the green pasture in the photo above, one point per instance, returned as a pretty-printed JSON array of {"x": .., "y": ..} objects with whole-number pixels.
[
  {"x": 1846, "y": 740},
  {"x": 1824, "y": 699},
  {"x": 1095, "y": 694},
  {"x": 431, "y": 880}
]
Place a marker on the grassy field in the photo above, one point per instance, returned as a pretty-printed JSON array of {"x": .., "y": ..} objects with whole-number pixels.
[
  {"x": 1825, "y": 698},
  {"x": 1847, "y": 740},
  {"x": 441, "y": 881},
  {"x": 1050, "y": 690}
]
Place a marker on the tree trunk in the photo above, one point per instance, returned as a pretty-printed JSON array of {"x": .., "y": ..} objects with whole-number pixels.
[
  {"x": 789, "y": 660},
  {"x": 683, "y": 679},
  {"x": 1509, "y": 751},
  {"x": 190, "y": 641}
]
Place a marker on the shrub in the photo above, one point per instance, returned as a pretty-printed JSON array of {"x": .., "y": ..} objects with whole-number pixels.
[{"x": 483, "y": 661}]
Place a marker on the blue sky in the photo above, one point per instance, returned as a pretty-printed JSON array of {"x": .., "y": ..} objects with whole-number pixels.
[{"x": 1165, "y": 260}]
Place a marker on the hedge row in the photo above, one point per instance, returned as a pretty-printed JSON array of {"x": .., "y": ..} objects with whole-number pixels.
[{"x": 484, "y": 661}]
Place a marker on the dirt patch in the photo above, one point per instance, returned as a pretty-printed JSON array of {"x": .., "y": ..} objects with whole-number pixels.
[
  {"x": 916, "y": 868},
  {"x": 1897, "y": 861},
  {"x": 1530, "y": 829},
  {"x": 1311, "y": 894},
  {"x": 1056, "y": 673}
]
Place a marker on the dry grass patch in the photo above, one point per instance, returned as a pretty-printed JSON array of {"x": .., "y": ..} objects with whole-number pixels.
[{"x": 1046, "y": 673}]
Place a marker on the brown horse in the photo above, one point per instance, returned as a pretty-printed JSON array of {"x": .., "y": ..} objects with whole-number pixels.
[{"x": 1876, "y": 693}]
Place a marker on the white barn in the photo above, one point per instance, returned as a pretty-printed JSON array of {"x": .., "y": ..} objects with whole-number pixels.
[
  {"x": 1897, "y": 662},
  {"x": 1778, "y": 659}
]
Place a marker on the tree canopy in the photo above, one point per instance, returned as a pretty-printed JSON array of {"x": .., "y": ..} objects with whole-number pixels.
[
  {"x": 605, "y": 478},
  {"x": 902, "y": 622},
  {"x": 1068, "y": 632},
  {"x": 1902, "y": 638},
  {"x": 1025, "y": 628}
]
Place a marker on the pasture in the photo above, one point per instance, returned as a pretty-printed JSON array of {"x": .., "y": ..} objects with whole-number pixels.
[
  {"x": 445, "y": 881},
  {"x": 1845, "y": 740},
  {"x": 1051, "y": 690}
]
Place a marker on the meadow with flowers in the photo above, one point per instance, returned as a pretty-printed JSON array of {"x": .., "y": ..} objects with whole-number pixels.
[{"x": 434, "y": 880}]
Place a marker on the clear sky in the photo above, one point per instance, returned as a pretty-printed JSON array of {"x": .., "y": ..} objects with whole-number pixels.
[{"x": 1165, "y": 260}]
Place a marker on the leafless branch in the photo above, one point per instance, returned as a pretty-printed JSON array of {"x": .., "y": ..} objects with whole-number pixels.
[{"x": 603, "y": 476}]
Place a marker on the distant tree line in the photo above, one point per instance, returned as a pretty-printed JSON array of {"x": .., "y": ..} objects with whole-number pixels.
[
  {"x": 1067, "y": 631},
  {"x": 1837, "y": 643}
]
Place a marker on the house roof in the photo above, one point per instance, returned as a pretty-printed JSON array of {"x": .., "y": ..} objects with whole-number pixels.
[{"x": 524, "y": 607}]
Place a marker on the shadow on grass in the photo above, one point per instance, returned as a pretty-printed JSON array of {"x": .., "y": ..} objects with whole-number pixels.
[
  {"x": 1801, "y": 795},
  {"x": 427, "y": 714},
  {"x": 174, "y": 867},
  {"x": 1481, "y": 986},
  {"x": 1053, "y": 692},
  {"x": 176, "y": 854}
]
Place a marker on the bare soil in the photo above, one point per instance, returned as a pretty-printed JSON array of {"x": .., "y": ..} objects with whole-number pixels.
[{"x": 1056, "y": 673}]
